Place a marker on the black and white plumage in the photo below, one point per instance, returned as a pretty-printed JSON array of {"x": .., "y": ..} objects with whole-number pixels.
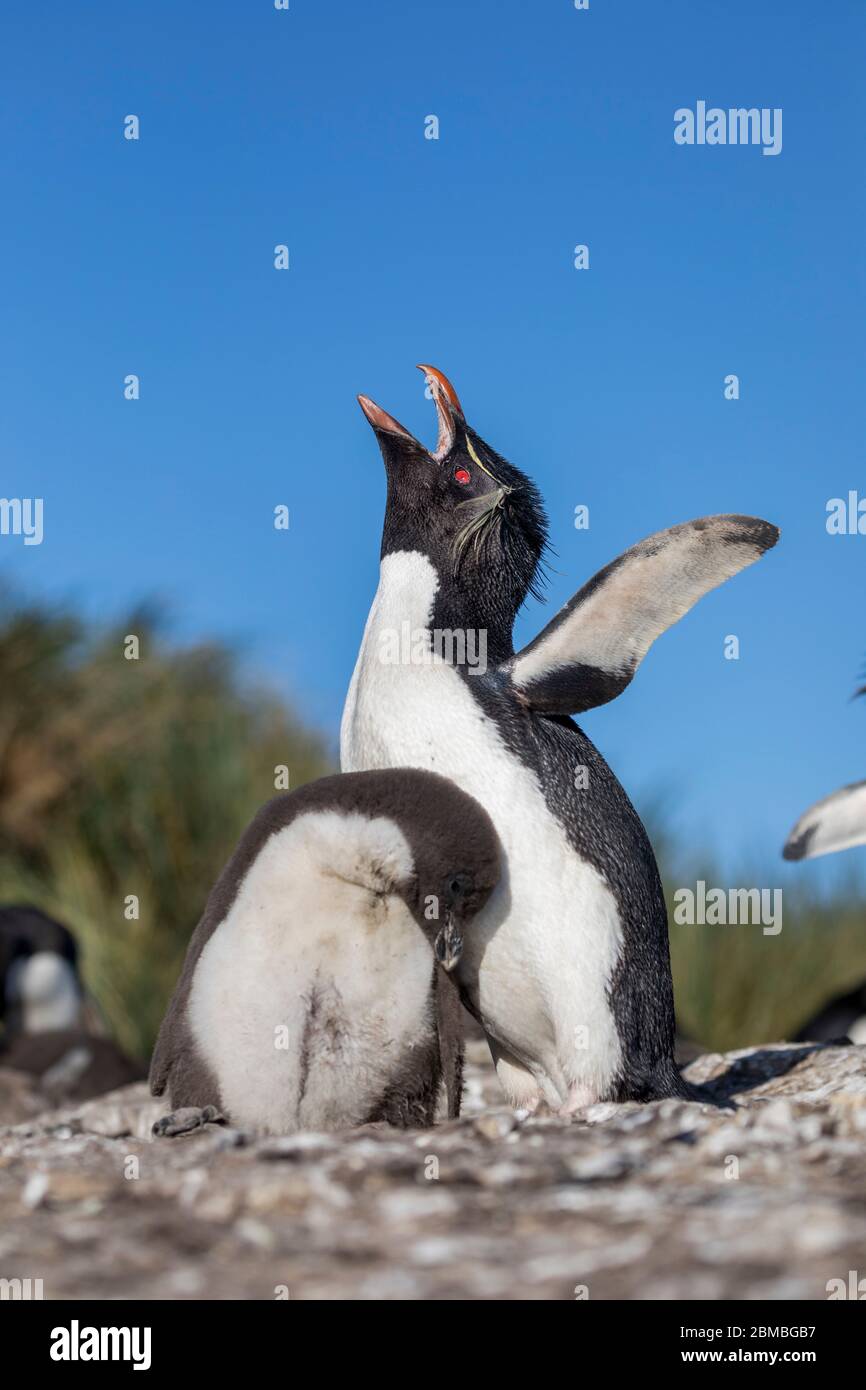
[
  {"x": 568, "y": 968},
  {"x": 44, "y": 1012},
  {"x": 41, "y": 990},
  {"x": 311, "y": 997}
]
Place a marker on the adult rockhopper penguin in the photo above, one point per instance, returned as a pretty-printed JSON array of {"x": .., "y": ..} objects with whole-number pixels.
[
  {"x": 317, "y": 990},
  {"x": 568, "y": 966}
]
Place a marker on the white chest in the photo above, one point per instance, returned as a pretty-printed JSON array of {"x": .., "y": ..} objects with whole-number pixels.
[
  {"x": 45, "y": 988},
  {"x": 539, "y": 959}
]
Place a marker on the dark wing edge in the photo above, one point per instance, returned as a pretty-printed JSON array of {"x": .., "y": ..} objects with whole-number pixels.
[
  {"x": 834, "y": 823},
  {"x": 589, "y": 652}
]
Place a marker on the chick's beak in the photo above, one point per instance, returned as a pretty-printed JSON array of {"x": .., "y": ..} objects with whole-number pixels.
[{"x": 448, "y": 947}]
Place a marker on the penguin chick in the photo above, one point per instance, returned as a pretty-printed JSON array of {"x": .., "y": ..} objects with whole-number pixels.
[
  {"x": 45, "y": 1012},
  {"x": 316, "y": 988}
]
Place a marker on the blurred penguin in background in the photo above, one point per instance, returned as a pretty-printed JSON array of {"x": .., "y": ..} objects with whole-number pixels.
[
  {"x": 45, "y": 1012},
  {"x": 834, "y": 823}
]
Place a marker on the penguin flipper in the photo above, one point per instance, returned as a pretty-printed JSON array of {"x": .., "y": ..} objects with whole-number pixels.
[
  {"x": 163, "y": 1056},
  {"x": 836, "y": 822},
  {"x": 589, "y": 652}
]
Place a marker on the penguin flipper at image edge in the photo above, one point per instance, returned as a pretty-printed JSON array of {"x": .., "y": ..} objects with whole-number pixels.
[
  {"x": 589, "y": 652},
  {"x": 836, "y": 822}
]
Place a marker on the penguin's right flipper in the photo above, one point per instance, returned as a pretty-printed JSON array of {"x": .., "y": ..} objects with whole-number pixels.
[
  {"x": 177, "y": 1066},
  {"x": 836, "y": 822},
  {"x": 589, "y": 652}
]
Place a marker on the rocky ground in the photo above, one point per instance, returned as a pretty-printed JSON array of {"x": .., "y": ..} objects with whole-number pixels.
[{"x": 765, "y": 1199}]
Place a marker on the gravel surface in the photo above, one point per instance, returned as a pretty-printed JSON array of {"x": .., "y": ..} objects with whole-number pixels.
[{"x": 764, "y": 1199}]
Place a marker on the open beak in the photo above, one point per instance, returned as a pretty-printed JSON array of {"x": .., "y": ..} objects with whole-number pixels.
[
  {"x": 382, "y": 422},
  {"x": 449, "y": 413},
  {"x": 449, "y": 944},
  {"x": 448, "y": 407}
]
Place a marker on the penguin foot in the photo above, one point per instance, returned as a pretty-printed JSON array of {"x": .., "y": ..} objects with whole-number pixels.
[
  {"x": 521, "y": 1088},
  {"x": 579, "y": 1097},
  {"x": 185, "y": 1120},
  {"x": 537, "y": 1108}
]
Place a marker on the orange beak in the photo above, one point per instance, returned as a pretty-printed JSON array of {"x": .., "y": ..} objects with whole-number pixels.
[
  {"x": 380, "y": 419},
  {"x": 447, "y": 404}
]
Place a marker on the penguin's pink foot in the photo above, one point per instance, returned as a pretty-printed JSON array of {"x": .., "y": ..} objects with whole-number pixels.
[
  {"x": 579, "y": 1097},
  {"x": 185, "y": 1120},
  {"x": 542, "y": 1109},
  {"x": 532, "y": 1105},
  {"x": 520, "y": 1086}
]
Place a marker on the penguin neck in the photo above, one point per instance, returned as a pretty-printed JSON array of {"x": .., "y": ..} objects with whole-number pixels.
[
  {"x": 413, "y": 599},
  {"x": 485, "y": 623}
]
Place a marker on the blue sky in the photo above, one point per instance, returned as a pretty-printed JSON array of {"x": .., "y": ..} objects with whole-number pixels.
[{"x": 306, "y": 127}]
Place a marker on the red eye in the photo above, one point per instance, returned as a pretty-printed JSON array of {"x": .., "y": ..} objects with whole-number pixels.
[{"x": 462, "y": 476}]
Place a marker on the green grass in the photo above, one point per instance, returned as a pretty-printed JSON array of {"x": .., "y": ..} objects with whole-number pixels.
[
  {"x": 734, "y": 987},
  {"x": 130, "y": 778}
]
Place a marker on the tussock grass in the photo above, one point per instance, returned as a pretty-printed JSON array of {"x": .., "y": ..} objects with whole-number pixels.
[
  {"x": 122, "y": 778},
  {"x": 735, "y": 987}
]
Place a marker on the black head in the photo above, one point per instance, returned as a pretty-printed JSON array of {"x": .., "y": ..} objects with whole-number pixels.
[
  {"x": 477, "y": 517},
  {"x": 24, "y": 930}
]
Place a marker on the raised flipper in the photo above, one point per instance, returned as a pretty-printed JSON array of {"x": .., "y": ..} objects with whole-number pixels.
[
  {"x": 589, "y": 652},
  {"x": 836, "y": 822}
]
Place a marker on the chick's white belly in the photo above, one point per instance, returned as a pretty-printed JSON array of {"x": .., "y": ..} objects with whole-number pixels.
[
  {"x": 304, "y": 1024},
  {"x": 538, "y": 961}
]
